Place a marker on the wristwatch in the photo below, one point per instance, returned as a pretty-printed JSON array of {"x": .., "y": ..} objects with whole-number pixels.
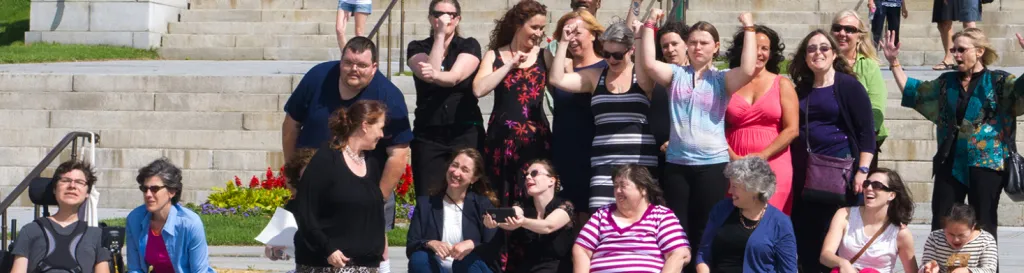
[{"x": 863, "y": 170}]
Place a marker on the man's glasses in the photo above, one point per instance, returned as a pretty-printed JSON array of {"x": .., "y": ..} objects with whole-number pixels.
[{"x": 76, "y": 182}]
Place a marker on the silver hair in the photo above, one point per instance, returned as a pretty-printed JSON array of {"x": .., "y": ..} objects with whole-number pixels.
[
  {"x": 618, "y": 32},
  {"x": 754, "y": 174}
]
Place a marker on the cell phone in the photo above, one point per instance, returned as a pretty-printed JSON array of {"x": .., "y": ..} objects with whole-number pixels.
[{"x": 499, "y": 214}]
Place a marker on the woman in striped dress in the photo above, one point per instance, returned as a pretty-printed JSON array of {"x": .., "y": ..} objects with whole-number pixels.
[
  {"x": 961, "y": 246},
  {"x": 620, "y": 102}
]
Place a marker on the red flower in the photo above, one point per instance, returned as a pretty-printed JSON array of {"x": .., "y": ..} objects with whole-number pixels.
[
  {"x": 238, "y": 182},
  {"x": 270, "y": 174},
  {"x": 254, "y": 182}
]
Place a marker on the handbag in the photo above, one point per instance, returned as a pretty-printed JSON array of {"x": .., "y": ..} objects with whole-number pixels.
[{"x": 827, "y": 176}]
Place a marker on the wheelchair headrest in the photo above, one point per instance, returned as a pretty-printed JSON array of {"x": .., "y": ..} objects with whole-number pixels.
[{"x": 40, "y": 191}]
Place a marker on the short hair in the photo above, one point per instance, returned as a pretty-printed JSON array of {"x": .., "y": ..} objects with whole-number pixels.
[
  {"x": 677, "y": 27},
  {"x": 360, "y": 44},
  {"x": 754, "y": 174},
  {"x": 980, "y": 41},
  {"x": 71, "y": 165},
  {"x": 618, "y": 32},
  {"x": 170, "y": 174},
  {"x": 643, "y": 179},
  {"x": 961, "y": 213}
]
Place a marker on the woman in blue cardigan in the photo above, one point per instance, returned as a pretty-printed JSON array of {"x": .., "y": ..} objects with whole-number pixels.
[
  {"x": 746, "y": 234},
  {"x": 447, "y": 232}
]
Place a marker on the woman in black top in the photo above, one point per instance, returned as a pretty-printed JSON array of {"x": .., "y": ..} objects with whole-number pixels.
[
  {"x": 447, "y": 233},
  {"x": 544, "y": 241},
  {"x": 447, "y": 115},
  {"x": 292, "y": 173},
  {"x": 341, "y": 212}
]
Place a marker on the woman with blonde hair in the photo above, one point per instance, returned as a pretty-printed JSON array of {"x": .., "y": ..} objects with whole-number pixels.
[
  {"x": 573, "y": 124},
  {"x": 857, "y": 47},
  {"x": 974, "y": 110}
]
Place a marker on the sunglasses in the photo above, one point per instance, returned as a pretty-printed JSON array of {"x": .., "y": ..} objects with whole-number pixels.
[
  {"x": 875, "y": 185},
  {"x": 849, "y": 29},
  {"x": 438, "y": 14},
  {"x": 153, "y": 189},
  {"x": 535, "y": 173},
  {"x": 959, "y": 49},
  {"x": 813, "y": 48},
  {"x": 614, "y": 55}
]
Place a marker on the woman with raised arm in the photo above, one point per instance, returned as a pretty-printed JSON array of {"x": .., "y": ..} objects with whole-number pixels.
[
  {"x": 697, "y": 151},
  {"x": 514, "y": 68},
  {"x": 763, "y": 117},
  {"x": 873, "y": 237},
  {"x": 573, "y": 123},
  {"x": 974, "y": 110},
  {"x": 621, "y": 100},
  {"x": 447, "y": 115},
  {"x": 837, "y": 130}
]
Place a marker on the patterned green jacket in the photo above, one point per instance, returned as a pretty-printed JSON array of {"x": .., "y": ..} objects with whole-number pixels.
[{"x": 986, "y": 126}]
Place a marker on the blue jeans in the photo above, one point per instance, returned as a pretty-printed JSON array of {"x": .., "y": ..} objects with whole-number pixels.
[{"x": 424, "y": 261}]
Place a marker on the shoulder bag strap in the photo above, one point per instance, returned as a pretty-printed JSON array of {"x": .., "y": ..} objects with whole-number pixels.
[{"x": 865, "y": 248}]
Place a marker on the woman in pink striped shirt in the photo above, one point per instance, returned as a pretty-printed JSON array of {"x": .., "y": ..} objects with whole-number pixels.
[{"x": 635, "y": 234}]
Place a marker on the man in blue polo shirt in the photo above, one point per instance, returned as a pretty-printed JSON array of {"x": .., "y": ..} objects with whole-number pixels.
[{"x": 335, "y": 84}]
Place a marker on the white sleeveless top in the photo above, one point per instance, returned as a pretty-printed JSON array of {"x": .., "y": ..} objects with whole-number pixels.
[{"x": 881, "y": 255}]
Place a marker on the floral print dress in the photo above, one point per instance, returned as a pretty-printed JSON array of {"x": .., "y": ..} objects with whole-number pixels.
[{"x": 518, "y": 130}]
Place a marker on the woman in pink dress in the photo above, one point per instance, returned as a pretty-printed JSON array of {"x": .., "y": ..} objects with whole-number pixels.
[{"x": 763, "y": 116}]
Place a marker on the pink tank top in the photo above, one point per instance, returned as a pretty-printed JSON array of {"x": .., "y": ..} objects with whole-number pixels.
[{"x": 156, "y": 254}]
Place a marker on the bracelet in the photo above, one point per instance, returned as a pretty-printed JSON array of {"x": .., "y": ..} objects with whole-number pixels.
[
  {"x": 650, "y": 25},
  {"x": 750, "y": 29},
  {"x": 893, "y": 66}
]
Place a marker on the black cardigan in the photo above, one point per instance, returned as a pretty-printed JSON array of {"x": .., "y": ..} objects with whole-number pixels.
[
  {"x": 428, "y": 223},
  {"x": 855, "y": 108}
]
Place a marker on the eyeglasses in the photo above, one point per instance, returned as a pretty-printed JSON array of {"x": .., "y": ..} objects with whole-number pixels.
[
  {"x": 355, "y": 65},
  {"x": 76, "y": 182},
  {"x": 535, "y": 173},
  {"x": 614, "y": 55},
  {"x": 849, "y": 29},
  {"x": 822, "y": 48},
  {"x": 876, "y": 185},
  {"x": 153, "y": 189},
  {"x": 438, "y": 14},
  {"x": 959, "y": 49}
]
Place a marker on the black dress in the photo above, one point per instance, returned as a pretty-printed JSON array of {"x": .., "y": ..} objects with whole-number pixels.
[
  {"x": 339, "y": 210},
  {"x": 518, "y": 130},
  {"x": 730, "y": 244},
  {"x": 547, "y": 253}
]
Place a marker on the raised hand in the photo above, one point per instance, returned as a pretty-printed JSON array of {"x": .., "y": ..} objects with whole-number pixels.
[
  {"x": 440, "y": 24},
  {"x": 889, "y": 47},
  {"x": 1020, "y": 40},
  {"x": 427, "y": 71},
  {"x": 747, "y": 19},
  {"x": 656, "y": 15},
  {"x": 570, "y": 32}
]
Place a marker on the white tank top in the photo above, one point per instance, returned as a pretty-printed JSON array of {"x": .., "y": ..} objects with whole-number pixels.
[{"x": 881, "y": 255}]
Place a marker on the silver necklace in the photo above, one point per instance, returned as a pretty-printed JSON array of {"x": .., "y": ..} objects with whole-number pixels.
[{"x": 357, "y": 157}]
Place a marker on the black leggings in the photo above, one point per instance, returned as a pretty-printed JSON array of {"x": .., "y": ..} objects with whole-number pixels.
[
  {"x": 691, "y": 192},
  {"x": 432, "y": 149},
  {"x": 883, "y": 14},
  {"x": 983, "y": 194}
]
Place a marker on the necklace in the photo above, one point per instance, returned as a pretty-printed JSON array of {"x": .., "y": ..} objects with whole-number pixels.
[
  {"x": 453, "y": 202},
  {"x": 357, "y": 157},
  {"x": 743, "y": 220}
]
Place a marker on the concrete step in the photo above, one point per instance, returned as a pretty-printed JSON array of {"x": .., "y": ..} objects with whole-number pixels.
[
  {"x": 377, "y": 5},
  {"x": 910, "y": 25},
  {"x": 328, "y": 14},
  {"x": 265, "y": 53}
]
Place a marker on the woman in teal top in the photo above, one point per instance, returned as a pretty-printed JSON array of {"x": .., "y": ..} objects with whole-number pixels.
[
  {"x": 974, "y": 110},
  {"x": 855, "y": 44}
]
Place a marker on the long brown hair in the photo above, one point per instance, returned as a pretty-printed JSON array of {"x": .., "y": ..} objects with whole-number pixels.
[
  {"x": 482, "y": 186},
  {"x": 345, "y": 122},
  {"x": 296, "y": 164},
  {"x": 901, "y": 208},
  {"x": 505, "y": 28},
  {"x": 802, "y": 74}
]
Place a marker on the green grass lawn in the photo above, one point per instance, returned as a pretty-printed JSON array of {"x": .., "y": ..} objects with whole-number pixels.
[
  {"x": 224, "y": 230},
  {"x": 14, "y": 19}
]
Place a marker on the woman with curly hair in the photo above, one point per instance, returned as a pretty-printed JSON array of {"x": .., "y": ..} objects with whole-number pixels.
[
  {"x": 762, "y": 117},
  {"x": 515, "y": 69}
]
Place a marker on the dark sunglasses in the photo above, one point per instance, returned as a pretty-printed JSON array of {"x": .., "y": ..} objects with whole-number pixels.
[
  {"x": 535, "y": 173},
  {"x": 614, "y": 55},
  {"x": 876, "y": 185},
  {"x": 849, "y": 29},
  {"x": 153, "y": 189},
  {"x": 437, "y": 14},
  {"x": 813, "y": 48},
  {"x": 959, "y": 50}
]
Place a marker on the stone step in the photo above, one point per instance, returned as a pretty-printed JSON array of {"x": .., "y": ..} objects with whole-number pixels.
[
  {"x": 911, "y": 25},
  {"x": 381, "y": 4},
  {"x": 794, "y": 5},
  {"x": 325, "y": 15}
]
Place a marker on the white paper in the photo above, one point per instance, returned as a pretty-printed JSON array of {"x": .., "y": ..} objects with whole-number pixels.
[{"x": 280, "y": 231}]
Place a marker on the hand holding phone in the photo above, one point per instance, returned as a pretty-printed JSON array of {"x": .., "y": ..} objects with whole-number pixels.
[{"x": 501, "y": 215}]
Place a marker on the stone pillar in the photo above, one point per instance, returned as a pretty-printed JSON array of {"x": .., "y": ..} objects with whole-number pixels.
[{"x": 137, "y": 24}]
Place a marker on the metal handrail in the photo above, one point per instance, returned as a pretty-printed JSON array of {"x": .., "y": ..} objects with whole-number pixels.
[
  {"x": 69, "y": 139},
  {"x": 375, "y": 32}
]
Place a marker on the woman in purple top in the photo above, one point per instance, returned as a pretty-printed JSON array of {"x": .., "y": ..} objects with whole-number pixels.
[{"x": 835, "y": 120}]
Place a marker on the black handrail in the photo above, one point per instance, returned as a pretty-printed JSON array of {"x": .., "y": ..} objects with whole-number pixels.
[
  {"x": 387, "y": 14},
  {"x": 18, "y": 190}
]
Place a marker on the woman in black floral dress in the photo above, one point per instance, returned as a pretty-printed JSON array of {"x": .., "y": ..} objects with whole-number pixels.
[{"x": 518, "y": 130}]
